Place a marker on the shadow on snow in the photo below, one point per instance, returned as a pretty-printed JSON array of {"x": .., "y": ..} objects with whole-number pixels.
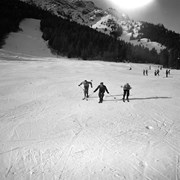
[{"x": 139, "y": 98}]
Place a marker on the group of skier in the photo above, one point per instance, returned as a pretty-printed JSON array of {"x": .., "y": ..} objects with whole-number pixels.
[
  {"x": 167, "y": 72},
  {"x": 156, "y": 71},
  {"x": 145, "y": 72},
  {"x": 102, "y": 89}
]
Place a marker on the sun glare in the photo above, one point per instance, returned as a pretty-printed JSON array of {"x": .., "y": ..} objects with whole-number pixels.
[{"x": 130, "y": 4}]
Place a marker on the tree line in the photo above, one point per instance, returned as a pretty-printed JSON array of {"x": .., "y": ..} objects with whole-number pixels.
[{"x": 73, "y": 40}]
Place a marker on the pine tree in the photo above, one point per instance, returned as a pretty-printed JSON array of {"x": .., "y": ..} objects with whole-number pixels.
[{"x": 164, "y": 57}]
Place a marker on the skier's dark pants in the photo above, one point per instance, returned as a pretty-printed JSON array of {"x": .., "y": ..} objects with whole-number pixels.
[
  {"x": 101, "y": 95},
  {"x": 86, "y": 92},
  {"x": 126, "y": 93}
]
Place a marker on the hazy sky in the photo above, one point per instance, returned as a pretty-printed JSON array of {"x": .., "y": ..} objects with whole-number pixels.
[{"x": 166, "y": 12}]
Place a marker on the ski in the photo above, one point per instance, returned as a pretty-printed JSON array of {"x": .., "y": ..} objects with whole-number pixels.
[
  {"x": 85, "y": 99},
  {"x": 126, "y": 100}
]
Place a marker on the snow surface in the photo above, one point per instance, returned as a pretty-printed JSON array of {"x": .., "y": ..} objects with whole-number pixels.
[
  {"x": 47, "y": 132},
  {"x": 28, "y": 41}
]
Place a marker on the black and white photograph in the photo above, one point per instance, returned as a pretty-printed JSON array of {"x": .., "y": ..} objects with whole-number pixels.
[{"x": 89, "y": 89}]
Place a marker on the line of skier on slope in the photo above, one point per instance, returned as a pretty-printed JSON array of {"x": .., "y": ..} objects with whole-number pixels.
[
  {"x": 102, "y": 89},
  {"x": 156, "y": 72}
]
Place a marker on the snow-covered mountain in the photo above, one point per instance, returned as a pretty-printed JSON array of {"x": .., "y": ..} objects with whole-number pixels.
[
  {"x": 130, "y": 30},
  {"x": 106, "y": 21}
]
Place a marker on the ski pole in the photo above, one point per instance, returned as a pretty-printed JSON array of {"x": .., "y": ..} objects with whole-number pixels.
[{"x": 81, "y": 88}]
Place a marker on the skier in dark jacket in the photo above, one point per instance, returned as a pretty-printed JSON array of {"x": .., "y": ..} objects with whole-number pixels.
[
  {"x": 86, "y": 88},
  {"x": 167, "y": 72},
  {"x": 102, "y": 88},
  {"x": 126, "y": 89}
]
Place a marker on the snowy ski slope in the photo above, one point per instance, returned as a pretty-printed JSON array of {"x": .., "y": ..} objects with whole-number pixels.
[{"x": 48, "y": 133}]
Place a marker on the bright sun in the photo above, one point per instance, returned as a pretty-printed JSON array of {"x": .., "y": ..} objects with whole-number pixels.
[{"x": 130, "y": 4}]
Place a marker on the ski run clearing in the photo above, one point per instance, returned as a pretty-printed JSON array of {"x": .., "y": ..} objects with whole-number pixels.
[{"x": 48, "y": 133}]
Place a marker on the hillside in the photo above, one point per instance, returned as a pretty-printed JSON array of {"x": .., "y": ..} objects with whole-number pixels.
[
  {"x": 109, "y": 21},
  {"x": 120, "y": 38},
  {"x": 48, "y": 132}
]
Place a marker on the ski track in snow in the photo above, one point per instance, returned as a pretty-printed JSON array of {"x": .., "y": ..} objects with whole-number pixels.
[{"x": 48, "y": 132}]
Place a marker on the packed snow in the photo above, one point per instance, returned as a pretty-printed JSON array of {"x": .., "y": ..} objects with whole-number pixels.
[
  {"x": 28, "y": 41},
  {"x": 47, "y": 132}
]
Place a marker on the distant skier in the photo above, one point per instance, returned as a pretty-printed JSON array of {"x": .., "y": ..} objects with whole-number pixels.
[
  {"x": 157, "y": 72},
  {"x": 126, "y": 89},
  {"x": 102, "y": 88},
  {"x": 167, "y": 72},
  {"x": 146, "y": 72},
  {"x": 86, "y": 88}
]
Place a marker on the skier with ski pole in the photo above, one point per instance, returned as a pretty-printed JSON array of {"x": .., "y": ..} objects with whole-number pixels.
[
  {"x": 126, "y": 89},
  {"x": 102, "y": 88},
  {"x": 86, "y": 88}
]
